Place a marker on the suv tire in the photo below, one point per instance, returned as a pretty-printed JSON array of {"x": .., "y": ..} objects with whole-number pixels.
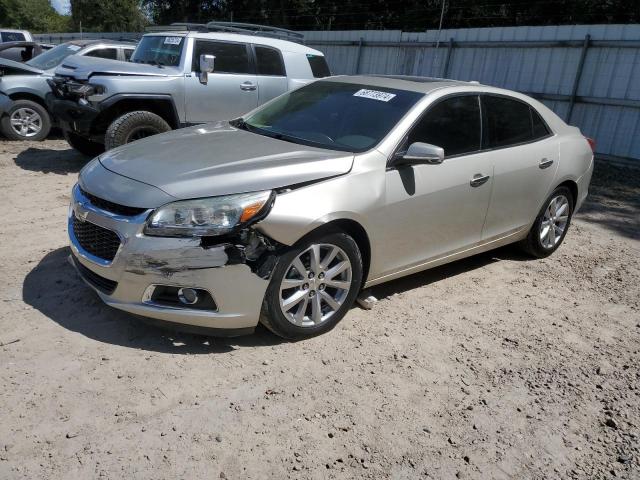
[
  {"x": 83, "y": 145},
  {"x": 134, "y": 126},
  {"x": 37, "y": 122},
  {"x": 293, "y": 297},
  {"x": 555, "y": 215}
]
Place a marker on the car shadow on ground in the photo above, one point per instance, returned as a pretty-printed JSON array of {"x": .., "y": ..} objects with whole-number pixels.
[
  {"x": 54, "y": 288},
  {"x": 48, "y": 160},
  {"x": 614, "y": 199}
]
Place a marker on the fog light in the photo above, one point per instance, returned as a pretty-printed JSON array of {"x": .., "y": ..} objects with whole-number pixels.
[{"x": 188, "y": 296}]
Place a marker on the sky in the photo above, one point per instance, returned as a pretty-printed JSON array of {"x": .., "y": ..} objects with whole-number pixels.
[{"x": 62, "y": 6}]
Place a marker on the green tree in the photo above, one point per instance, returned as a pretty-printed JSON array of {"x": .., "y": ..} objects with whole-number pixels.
[
  {"x": 37, "y": 16},
  {"x": 107, "y": 16}
]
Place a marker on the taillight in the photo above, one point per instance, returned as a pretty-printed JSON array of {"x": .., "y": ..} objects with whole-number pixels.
[{"x": 592, "y": 144}]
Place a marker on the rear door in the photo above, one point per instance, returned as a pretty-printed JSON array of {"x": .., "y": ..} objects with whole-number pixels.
[
  {"x": 271, "y": 72},
  {"x": 525, "y": 156},
  {"x": 435, "y": 210},
  {"x": 232, "y": 88}
]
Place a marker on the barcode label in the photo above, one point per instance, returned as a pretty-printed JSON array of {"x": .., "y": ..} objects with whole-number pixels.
[
  {"x": 374, "y": 95},
  {"x": 172, "y": 40}
]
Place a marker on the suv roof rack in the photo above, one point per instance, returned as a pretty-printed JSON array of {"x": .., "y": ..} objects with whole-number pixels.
[
  {"x": 255, "y": 29},
  {"x": 231, "y": 27}
]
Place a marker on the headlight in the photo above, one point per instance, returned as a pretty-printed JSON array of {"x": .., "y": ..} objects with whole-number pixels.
[{"x": 208, "y": 216}]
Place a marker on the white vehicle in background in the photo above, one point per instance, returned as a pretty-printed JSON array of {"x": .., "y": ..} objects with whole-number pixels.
[
  {"x": 10, "y": 35},
  {"x": 180, "y": 75}
]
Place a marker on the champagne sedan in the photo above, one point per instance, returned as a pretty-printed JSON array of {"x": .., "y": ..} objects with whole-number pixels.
[{"x": 284, "y": 215}]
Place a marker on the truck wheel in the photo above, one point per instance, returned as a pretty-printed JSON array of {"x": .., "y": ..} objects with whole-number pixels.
[
  {"x": 83, "y": 145},
  {"x": 26, "y": 120},
  {"x": 134, "y": 126}
]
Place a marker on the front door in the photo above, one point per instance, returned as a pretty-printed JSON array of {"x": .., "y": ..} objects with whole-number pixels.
[
  {"x": 435, "y": 210},
  {"x": 232, "y": 88}
]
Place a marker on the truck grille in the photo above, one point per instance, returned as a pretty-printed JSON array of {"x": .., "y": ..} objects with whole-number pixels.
[
  {"x": 96, "y": 240},
  {"x": 105, "y": 285},
  {"x": 112, "y": 207}
]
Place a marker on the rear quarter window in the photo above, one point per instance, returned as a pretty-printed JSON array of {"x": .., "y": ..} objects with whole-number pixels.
[{"x": 319, "y": 67}]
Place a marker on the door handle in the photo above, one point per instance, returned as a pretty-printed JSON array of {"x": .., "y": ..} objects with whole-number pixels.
[
  {"x": 479, "y": 179},
  {"x": 248, "y": 86},
  {"x": 545, "y": 163}
]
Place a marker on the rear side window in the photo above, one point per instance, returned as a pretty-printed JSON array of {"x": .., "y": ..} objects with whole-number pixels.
[
  {"x": 230, "y": 57},
  {"x": 510, "y": 122},
  {"x": 12, "y": 37},
  {"x": 453, "y": 124},
  {"x": 111, "y": 53},
  {"x": 319, "y": 67},
  {"x": 269, "y": 62}
]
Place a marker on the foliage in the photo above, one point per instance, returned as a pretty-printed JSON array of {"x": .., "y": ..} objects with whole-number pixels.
[
  {"x": 33, "y": 15},
  {"x": 107, "y": 15}
]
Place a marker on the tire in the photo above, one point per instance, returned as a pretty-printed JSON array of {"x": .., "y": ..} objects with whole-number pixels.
[
  {"x": 37, "y": 121},
  {"x": 536, "y": 244},
  {"x": 134, "y": 126},
  {"x": 83, "y": 145},
  {"x": 311, "y": 292}
]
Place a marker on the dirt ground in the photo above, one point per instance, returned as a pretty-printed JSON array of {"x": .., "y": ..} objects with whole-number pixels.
[{"x": 492, "y": 367}]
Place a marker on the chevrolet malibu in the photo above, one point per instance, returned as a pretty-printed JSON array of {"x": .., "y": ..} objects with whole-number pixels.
[{"x": 284, "y": 215}]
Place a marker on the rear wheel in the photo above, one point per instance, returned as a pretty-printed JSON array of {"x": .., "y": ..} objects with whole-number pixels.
[
  {"x": 313, "y": 286},
  {"x": 551, "y": 225},
  {"x": 26, "y": 120},
  {"x": 133, "y": 126},
  {"x": 83, "y": 145}
]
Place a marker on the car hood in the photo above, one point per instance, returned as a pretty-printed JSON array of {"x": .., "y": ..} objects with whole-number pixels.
[
  {"x": 83, "y": 67},
  {"x": 18, "y": 68},
  {"x": 219, "y": 159}
]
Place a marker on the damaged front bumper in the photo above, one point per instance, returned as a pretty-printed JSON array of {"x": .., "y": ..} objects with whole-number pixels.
[{"x": 143, "y": 264}]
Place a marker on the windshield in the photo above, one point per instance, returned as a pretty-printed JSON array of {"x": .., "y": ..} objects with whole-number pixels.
[
  {"x": 52, "y": 58},
  {"x": 159, "y": 50},
  {"x": 338, "y": 116}
]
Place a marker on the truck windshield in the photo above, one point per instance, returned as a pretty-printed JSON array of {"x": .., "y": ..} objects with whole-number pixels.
[
  {"x": 334, "y": 115},
  {"x": 159, "y": 50},
  {"x": 52, "y": 58}
]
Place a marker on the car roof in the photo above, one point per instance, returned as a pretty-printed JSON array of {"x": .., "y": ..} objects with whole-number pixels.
[
  {"x": 401, "y": 82},
  {"x": 89, "y": 42},
  {"x": 283, "y": 45}
]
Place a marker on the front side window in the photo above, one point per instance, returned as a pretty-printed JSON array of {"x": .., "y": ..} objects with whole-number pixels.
[
  {"x": 230, "y": 57},
  {"x": 127, "y": 54},
  {"x": 334, "y": 115},
  {"x": 111, "y": 53},
  {"x": 269, "y": 62},
  {"x": 507, "y": 122},
  {"x": 159, "y": 50},
  {"x": 453, "y": 124}
]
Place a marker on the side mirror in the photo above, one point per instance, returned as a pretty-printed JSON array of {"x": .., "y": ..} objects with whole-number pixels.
[
  {"x": 421, "y": 153},
  {"x": 206, "y": 67}
]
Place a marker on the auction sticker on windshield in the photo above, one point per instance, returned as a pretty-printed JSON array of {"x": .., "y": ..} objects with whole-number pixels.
[
  {"x": 172, "y": 40},
  {"x": 374, "y": 95}
]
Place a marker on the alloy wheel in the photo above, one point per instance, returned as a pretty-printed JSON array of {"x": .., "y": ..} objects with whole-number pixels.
[
  {"x": 26, "y": 122},
  {"x": 315, "y": 285},
  {"x": 554, "y": 221}
]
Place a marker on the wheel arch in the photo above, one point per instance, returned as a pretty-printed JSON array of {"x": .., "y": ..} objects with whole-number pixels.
[
  {"x": 112, "y": 108},
  {"x": 31, "y": 97},
  {"x": 572, "y": 186}
]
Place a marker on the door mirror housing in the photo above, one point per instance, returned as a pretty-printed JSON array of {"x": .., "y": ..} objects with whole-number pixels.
[
  {"x": 206, "y": 65},
  {"x": 420, "y": 153}
]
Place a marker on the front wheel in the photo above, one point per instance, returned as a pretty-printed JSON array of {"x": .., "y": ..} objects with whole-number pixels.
[
  {"x": 133, "y": 126},
  {"x": 551, "y": 225},
  {"x": 313, "y": 286},
  {"x": 26, "y": 120}
]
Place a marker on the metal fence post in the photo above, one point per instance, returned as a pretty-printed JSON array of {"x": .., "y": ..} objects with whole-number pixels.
[
  {"x": 447, "y": 58},
  {"x": 359, "y": 55},
  {"x": 576, "y": 80}
]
